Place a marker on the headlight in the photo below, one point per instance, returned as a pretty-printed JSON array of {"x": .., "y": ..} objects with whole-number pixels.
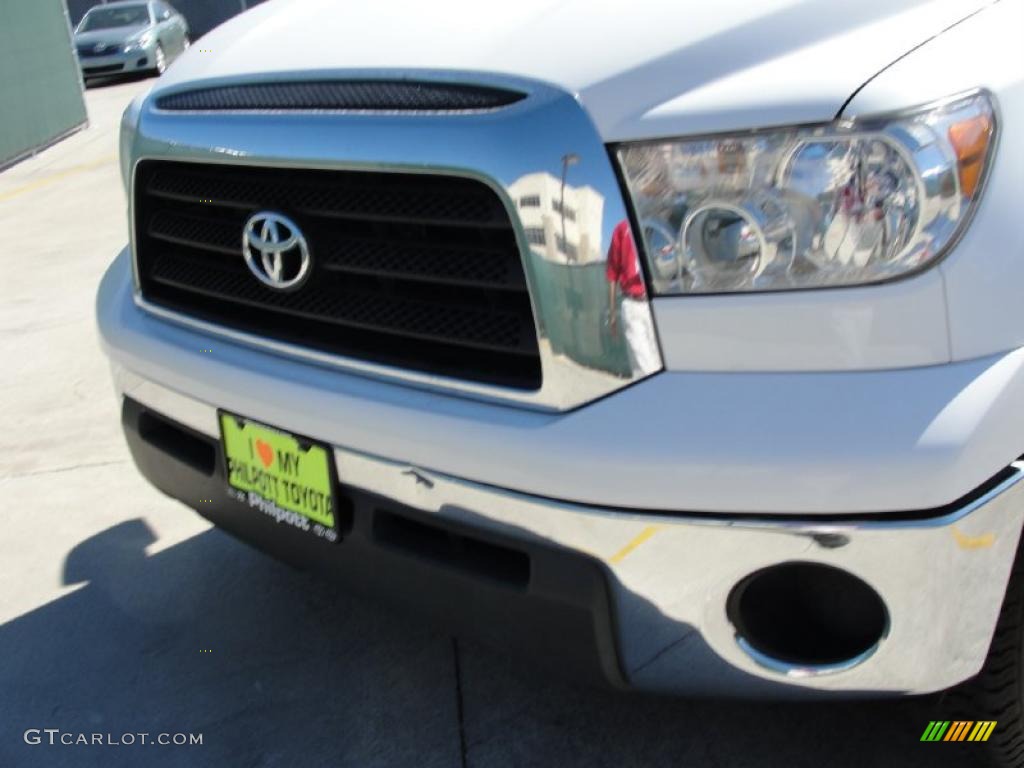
[
  {"x": 847, "y": 203},
  {"x": 134, "y": 45}
]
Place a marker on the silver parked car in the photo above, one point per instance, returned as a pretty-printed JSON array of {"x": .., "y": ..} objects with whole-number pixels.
[{"x": 124, "y": 37}]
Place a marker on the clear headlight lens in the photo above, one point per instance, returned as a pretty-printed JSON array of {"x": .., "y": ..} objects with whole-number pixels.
[
  {"x": 811, "y": 207},
  {"x": 134, "y": 45}
]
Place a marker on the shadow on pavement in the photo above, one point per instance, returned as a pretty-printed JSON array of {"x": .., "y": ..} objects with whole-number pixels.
[{"x": 298, "y": 673}]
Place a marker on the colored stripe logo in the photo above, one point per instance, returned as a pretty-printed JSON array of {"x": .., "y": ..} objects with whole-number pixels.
[{"x": 958, "y": 730}]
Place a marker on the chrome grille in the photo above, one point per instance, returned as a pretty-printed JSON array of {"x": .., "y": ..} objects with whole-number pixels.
[{"x": 416, "y": 271}]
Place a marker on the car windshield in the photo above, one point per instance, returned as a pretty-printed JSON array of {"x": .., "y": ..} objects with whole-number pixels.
[{"x": 120, "y": 16}]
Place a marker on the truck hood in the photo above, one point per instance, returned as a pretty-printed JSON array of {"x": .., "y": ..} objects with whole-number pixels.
[{"x": 642, "y": 68}]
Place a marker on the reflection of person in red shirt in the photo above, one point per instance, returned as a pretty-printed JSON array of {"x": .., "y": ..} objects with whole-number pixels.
[
  {"x": 623, "y": 273},
  {"x": 623, "y": 270}
]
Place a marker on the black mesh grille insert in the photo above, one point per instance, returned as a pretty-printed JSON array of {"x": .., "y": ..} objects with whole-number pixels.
[
  {"x": 349, "y": 95},
  {"x": 410, "y": 270}
]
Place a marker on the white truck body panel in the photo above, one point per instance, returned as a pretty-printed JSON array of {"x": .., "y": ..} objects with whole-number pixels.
[
  {"x": 641, "y": 69},
  {"x": 982, "y": 274}
]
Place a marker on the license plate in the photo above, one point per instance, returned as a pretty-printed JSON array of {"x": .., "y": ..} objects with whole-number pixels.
[{"x": 280, "y": 475}]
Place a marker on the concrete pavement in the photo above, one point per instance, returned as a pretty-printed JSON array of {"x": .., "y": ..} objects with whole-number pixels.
[{"x": 123, "y": 612}]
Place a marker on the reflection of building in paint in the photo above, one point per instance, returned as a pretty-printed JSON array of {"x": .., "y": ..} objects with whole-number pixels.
[{"x": 538, "y": 198}]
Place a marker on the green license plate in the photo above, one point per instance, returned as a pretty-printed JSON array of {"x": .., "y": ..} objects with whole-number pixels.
[{"x": 283, "y": 476}]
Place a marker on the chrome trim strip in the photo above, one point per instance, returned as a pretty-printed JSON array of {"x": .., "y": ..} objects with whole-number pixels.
[
  {"x": 544, "y": 145},
  {"x": 788, "y": 669},
  {"x": 942, "y": 580}
]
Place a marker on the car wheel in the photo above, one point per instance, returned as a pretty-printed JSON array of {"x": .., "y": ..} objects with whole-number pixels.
[
  {"x": 161, "y": 59},
  {"x": 996, "y": 693}
]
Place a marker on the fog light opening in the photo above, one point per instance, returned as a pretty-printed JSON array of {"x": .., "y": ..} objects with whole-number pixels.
[{"x": 807, "y": 618}]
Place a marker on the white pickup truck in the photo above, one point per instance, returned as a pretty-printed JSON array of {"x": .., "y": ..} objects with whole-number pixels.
[{"x": 678, "y": 343}]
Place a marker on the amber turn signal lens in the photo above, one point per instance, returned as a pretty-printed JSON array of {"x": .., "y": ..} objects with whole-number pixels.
[{"x": 970, "y": 141}]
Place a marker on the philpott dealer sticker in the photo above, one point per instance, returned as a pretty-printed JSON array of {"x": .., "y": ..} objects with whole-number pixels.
[{"x": 279, "y": 475}]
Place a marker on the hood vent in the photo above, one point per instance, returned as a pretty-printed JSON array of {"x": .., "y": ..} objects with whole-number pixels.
[{"x": 344, "y": 96}]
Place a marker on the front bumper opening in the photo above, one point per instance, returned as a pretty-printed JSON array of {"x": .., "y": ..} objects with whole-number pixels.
[
  {"x": 807, "y": 617},
  {"x": 186, "y": 446},
  {"x": 462, "y": 552}
]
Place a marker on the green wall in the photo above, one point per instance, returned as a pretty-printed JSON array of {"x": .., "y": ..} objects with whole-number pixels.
[
  {"x": 581, "y": 332},
  {"x": 40, "y": 86}
]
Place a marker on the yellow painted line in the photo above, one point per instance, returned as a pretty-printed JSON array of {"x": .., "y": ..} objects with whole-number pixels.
[
  {"x": 637, "y": 540},
  {"x": 53, "y": 177},
  {"x": 984, "y": 541}
]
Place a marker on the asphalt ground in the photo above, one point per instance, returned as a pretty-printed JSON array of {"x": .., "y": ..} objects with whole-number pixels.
[{"x": 121, "y": 611}]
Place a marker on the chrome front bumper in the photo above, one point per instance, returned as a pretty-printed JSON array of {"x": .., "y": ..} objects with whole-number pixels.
[{"x": 942, "y": 578}]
